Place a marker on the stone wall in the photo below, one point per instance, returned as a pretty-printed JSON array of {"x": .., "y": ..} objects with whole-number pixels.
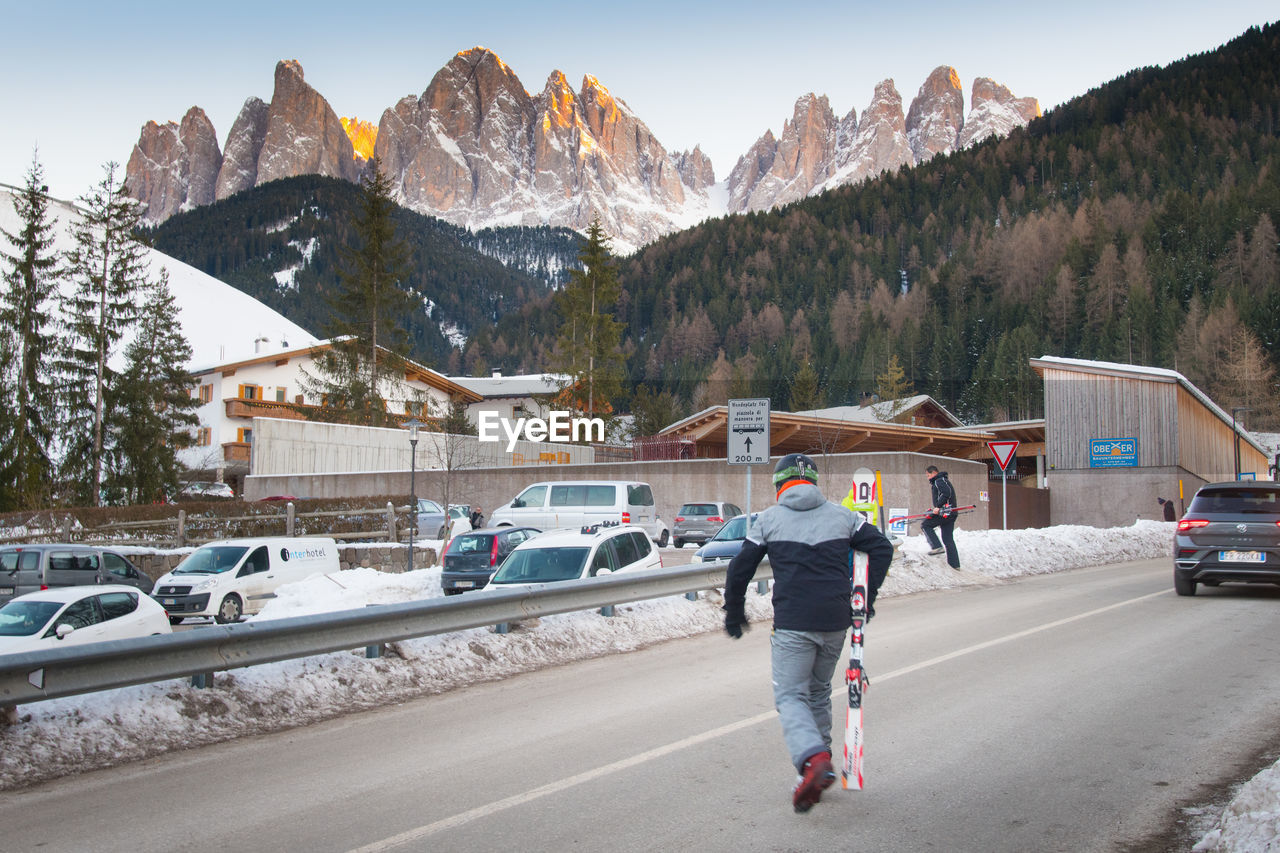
[{"x": 384, "y": 558}]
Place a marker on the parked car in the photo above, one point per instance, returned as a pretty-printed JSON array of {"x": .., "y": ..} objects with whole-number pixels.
[
  {"x": 572, "y": 504},
  {"x": 472, "y": 557},
  {"x": 205, "y": 491},
  {"x": 1229, "y": 533},
  {"x": 562, "y": 555},
  {"x": 73, "y": 616},
  {"x": 234, "y": 577},
  {"x": 31, "y": 568},
  {"x": 431, "y": 519},
  {"x": 698, "y": 522},
  {"x": 726, "y": 543}
]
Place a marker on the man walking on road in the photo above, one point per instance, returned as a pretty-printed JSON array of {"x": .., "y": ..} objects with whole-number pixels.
[
  {"x": 941, "y": 516},
  {"x": 808, "y": 541}
]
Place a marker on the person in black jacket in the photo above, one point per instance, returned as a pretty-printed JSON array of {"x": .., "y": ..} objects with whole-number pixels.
[
  {"x": 808, "y": 540},
  {"x": 942, "y": 516}
]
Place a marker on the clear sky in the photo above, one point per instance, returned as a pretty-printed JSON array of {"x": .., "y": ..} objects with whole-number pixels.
[{"x": 81, "y": 78}]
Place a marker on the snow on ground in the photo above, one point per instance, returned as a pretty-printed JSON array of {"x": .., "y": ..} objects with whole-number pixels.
[{"x": 64, "y": 736}]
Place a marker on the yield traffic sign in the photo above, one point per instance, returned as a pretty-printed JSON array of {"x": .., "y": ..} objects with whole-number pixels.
[{"x": 1003, "y": 451}]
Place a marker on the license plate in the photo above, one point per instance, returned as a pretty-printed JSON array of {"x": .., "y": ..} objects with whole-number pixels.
[
  {"x": 6, "y": 590},
  {"x": 464, "y": 584},
  {"x": 1242, "y": 556},
  {"x": 168, "y": 601}
]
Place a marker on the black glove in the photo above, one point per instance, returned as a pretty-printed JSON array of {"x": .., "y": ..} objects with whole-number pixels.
[{"x": 735, "y": 620}]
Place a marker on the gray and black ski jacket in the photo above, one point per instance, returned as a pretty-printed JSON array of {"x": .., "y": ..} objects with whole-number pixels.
[
  {"x": 944, "y": 495},
  {"x": 808, "y": 540}
]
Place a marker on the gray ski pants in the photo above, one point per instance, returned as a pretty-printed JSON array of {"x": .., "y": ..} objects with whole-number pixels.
[{"x": 803, "y": 665}]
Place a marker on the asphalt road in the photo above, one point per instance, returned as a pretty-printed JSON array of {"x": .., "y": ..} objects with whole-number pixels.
[{"x": 1068, "y": 712}]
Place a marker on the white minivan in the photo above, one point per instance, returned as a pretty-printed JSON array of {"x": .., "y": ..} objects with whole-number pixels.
[
  {"x": 548, "y": 506},
  {"x": 232, "y": 578}
]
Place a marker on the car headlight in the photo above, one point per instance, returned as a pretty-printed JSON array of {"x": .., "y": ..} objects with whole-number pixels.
[
  {"x": 207, "y": 583},
  {"x": 696, "y": 558}
]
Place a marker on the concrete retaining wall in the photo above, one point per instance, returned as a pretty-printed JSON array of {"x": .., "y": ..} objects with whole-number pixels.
[
  {"x": 1116, "y": 497},
  {"x": 674, "y": 482},
  {"x": 384, "y": 558}
]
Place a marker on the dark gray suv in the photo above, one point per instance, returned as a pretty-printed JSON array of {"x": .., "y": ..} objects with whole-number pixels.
[
  {"x": 31, "y": 568},
  {"x": 1230, "y": 533}
]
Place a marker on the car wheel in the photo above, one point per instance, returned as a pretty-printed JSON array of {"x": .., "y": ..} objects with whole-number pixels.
[
  {"x": 175, "y": 620},
  {"x": 1183, "y": 586},
  {"x": 679, "y": 543},
  {"x": 664, "y": 538},
  {"x": 230, "y": 610}
]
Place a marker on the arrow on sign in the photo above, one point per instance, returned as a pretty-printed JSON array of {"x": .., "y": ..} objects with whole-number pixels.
[
  {"x": 1003, "y": 451},
  {"x": 747, "y": 441}
]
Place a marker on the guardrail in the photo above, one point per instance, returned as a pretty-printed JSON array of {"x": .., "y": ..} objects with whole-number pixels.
[{"x": 35, "y": 676}]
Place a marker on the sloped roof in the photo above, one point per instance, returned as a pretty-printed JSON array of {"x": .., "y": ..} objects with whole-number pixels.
[
  {"x": 884, "y": 411},
  {"x": 526, "y": 385}
]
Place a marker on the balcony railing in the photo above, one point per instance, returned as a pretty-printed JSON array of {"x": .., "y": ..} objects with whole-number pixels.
[{"x": 235, "y": 452}]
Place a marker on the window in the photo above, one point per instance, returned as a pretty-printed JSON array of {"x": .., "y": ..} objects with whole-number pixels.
[
  {"x": 533, "y": 496},
  {"x": 568, "y": 495},
  {"x": 640, "y": 495},
  {"x": 643, "y": 546},
  {"x": 244, "y": 435},
  {"x": 280, "y": 395},
  {"x": 118, "y": 566},
  {"x": 67, "y": 560},
  {"x": 206, "y": 393},
  {"x": 626, "y": 549},
  {"x": 204, "y": 437},
  {"x": 259, "y": 561},
  {"x": 601, "y": 495},
  {"x": 603, "y": 559},
  {"x": 81, "y": 614},
  {"x": 117, "y": 604},
  {"x": 250, "y": 392}
]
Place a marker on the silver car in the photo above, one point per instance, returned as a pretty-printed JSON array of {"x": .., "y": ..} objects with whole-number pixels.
[{"x": 698, "y": 521}]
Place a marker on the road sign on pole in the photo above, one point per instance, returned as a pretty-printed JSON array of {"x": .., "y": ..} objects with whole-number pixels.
[
  {"x": 748, "y": 431},
  {"x": 1003, "y": 452}
]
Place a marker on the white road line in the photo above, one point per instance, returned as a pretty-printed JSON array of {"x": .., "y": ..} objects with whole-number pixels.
[{"x": 470, "y": 815}]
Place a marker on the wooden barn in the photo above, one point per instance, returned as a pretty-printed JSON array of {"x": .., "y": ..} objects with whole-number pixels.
[{"x": 1119, "y": 436}]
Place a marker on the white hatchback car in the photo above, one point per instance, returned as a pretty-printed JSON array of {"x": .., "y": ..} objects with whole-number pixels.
[
  {"x": 75, "y": 615},
  {"x": 564, "y": 555}
]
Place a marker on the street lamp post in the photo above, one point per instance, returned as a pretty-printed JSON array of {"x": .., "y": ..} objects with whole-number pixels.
[
  {"x": 413, "y": 426},
  {"x": 1235, "y": 434}
]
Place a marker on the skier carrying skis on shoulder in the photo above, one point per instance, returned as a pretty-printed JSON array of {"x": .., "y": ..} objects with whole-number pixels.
[{"x": 808, "y": 540}]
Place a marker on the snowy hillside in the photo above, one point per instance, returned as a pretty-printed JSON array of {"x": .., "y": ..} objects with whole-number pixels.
[{"x": 221, "y": 323}]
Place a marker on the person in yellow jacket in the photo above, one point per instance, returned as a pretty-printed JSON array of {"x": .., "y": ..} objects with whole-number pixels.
[{"x": 867, "y": 508}]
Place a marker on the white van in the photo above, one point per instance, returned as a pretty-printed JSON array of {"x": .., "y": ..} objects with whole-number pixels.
[
  {"x": 235, "y": 577},
  {"x": 578, "y": 503}
]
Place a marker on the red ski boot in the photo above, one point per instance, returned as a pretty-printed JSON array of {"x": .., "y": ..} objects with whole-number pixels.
[{"x": 816, "y": 777}]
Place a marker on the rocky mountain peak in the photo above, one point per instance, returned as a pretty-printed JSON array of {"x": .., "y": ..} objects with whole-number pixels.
[
  {"x": 304, "y": 135},
  {"x": 173, "y": 166},
  {"x": 363, "y": 136},
  {"x": 994, "y": 111},
  {"x": 936, "y": 115}
]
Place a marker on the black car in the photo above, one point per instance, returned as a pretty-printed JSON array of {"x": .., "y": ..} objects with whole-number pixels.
[
  {"x": 1230, "y": 533},
  {"x": 727, "y": 542},
  {"x": 473, "y": 557}
]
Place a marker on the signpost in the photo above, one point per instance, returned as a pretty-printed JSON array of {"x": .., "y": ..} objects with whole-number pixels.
[
  {"x": 748, "y": 442},
  {"x": 1003, "y": 452}
]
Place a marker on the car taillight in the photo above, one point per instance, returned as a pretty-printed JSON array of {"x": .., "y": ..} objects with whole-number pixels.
[
  {"x": 679, "y": 518},
  {"x": 626, "y": 518},
  {"x": 1192, "y": 523},
  {"x": 44, "y": 587},
  {"x": 493, "y": 552},
  {"x": 716, "y": 518}
]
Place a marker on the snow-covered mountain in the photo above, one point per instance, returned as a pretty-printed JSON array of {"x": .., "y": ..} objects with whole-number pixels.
[
  {"x": 221, "y": 323},
  {"x": 816, "y": 152},
  {"x": 478, "y": 150}
]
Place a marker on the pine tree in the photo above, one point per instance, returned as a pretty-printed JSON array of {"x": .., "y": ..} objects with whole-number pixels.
[
  {"x": 588, "y": 348},
  {"x": 805, "y": 393},
  {"x": 364, "y": 364},
  {"x": 109, "y": 270},
  {"x": 893, "y": 387},
  {"x": 31, "y": 276},
  {"x": 153, "y": 410}
]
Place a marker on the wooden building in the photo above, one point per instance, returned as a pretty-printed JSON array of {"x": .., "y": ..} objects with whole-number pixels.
[{"x": 1118, "y": 436}]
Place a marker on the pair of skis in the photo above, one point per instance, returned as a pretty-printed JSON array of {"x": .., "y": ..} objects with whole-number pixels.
[
  {"x": 920, "y": 517},
  {"x": 855, "y": 676}
]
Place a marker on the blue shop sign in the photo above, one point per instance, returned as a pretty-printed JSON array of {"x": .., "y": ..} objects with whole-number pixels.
[{"x": 1113, "y": 453}]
